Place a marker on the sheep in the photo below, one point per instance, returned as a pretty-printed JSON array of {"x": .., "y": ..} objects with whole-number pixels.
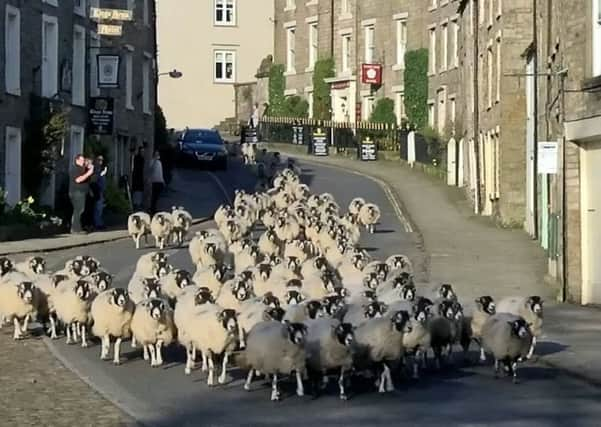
[
  {"x": 210, "y": 251},
  {"x": 357, "y": 314},
  {"x": 213, "y": 330},
  {"x": 369, "y": 216},
  {"x": 418, "y": 341},
  {"x": 18, "y": 301},
  {"x": 329, "y": 345},
  {"x": 275, "y": 348},
  {"x": 444, "y": 328},
  {"x": 530, "y": 308},
  {"x": 148, "y": 265},
  {"x": 355, "y": 206},
  {"x": 211, "y": 277},
  {"x": 196, "y": 246},
  {"x": 6, "y": 265},
  {"x": 100, "y": 281},
  {"x": 269, "y": 243},
  {"x": 399, "y": 264},
  {"x": 319, "y": 285},
  {"x": 401, "y": 290},
  {"x": 173, "y": 283},
  {"x": 380, "y": 268},
  {"x": 138, "y": 226},
  {"x": 72, "y": 301},
  {"x": 161, "y": 227},
  {"x": 302, "y": 311},
  {"x": 287, "y": 228},
  {"x": 240, "y": 245},
  {"x": 142, "y": 288},
  {"x": 257, "y": 310},
  {"x": 233, "y": 293},
  {"x": 31, "y": 267},
  {"x": 471, "y": 329},
  {"x": 223, "y": 214},
  {"x": 509, "y": 338},
  {"x": 314, "y": 266},
  {"x": 249, "y": 257},
  {"x": 262, "y": 283},
  {"x": 152, "y": 325},
  {"x": 298, "y": 248},
  {"x": 92, "y": 263},
  {"x": 75, "y": 269},
  {"x": 182, "y": 221},
  {"x": 112, "y": 312},
  {"x": 233, "y": 230},
  {"x": 268, "y": 217},
  {"x": 380, "y": 341}
]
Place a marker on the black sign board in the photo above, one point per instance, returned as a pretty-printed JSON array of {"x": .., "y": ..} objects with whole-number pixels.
[
  {"x": 251, "y": 135},
  {"x": 320, "y": 144},
  {"x": 369, "y": 151},
  {"x": 100, "y": 117},
  {"x": 297, "y": 135}
]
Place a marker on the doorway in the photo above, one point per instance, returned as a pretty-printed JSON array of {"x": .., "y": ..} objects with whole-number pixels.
[
  {"x": 12, "y": 165},
  {"x": 590, "y": 211}
]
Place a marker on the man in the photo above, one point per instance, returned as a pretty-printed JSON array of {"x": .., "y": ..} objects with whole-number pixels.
[
  {"x": 157, "y": 180},
  {"x": 79, "y": 186},
  {"x": 253, "y": 121},
  {"x": 99, "y": 189},
  {"x": 137, "y": 179}
]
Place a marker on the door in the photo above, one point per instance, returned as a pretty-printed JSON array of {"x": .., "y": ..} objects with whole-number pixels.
[
  {"x": 591, "y": 223},
  {"x": 530, "y": 144},
  {"x": 452, "y": 162},
  {"x": 461, "y": 163},
  {"x": 12, "y": 165}
]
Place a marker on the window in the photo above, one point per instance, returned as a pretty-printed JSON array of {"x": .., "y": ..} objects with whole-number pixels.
[
  {"x": 146, "y": 68},
  {"x": 346, "y": 53},
  {"x": 370, "y": 44},
  {"x": 471, "y": 16},
  {"x": 499, "y": 8},
  {"x": 491, "y": 12},
  {"x": 441, "y": 96},
  {"x": 79, "y": 7},
  {"x": 12, "y": 165},
  {"x": 431, "y": 114},
  {"x": 93, "y": 51},
  {"x": 224, "y": 12},
  {"x": 291, "y": 50},
  {"x": 345, "y": 7},
  {"x": 225, "y": 66},
  {"x": 481, "y": 11},
  {"x": 147, "y": 13},
  {"x": 290, "y": 5},
  {"x": 78, "y": 82},
  {"x": 368, "y": 107},
  {"x": 49, "y": 56},
  {"x": 433, "y": 4},
  {"x": 489, "y": 75},
  {"x": 596, "y": 37},
  {"x": 455, "y": 45},
  {"x": 452, "y": 111},
  {"x": 445, "y": 47},
  {"x": 310, "y": 101},
  {"x": 401, "y": 42},
  {"x": 51, "y": 2},
  {"x": 313, "y": 44},
  {"x": 499, "y": 71},
  {"x": 129, "y": 78},
  {"x": 12, "y": 51},
  {"x": 432, "y": 51},
  {"x": 399, "y": 107}
]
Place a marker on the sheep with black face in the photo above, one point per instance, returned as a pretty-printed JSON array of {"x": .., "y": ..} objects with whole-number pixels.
[
  {"x": 18, "y": 303},
  {"x": 72, "y": 301},
  {"x": 530, "y": 308},
  {"x": 471, "y": 329},
  {"x": 152, "y": 326},
  {"x": 138, "y": 226}
]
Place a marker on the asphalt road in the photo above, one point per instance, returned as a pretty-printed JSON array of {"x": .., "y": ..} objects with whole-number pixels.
[{"x": 459, "y": 395}]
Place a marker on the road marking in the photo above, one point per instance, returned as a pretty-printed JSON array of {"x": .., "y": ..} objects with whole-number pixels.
[{"x": 221, "y": 187}]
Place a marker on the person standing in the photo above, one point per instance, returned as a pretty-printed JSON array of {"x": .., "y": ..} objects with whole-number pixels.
[
  {"x": 253, "y": 121},
  {"x": 79, "y": 185},
  {"x": 137, "y": 179},
  {"x": 157, "y": 180},
  {"x": 100, "y": 170}
]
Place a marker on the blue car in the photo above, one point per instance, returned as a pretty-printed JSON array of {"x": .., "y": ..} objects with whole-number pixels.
[{"x": 203, "y": 147}]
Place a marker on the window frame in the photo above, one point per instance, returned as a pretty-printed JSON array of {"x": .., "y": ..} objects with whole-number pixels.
[
  {"x": 489, "y": 74},
  {"x": 290, "y": 5},
  {"x": 129, "y": 78},
  {"x": 78, "y": 80},
  {"x": 291, "y": 49},
  {"x": 369, "y": 103},
  {"x": 224, "y": 80},
  {"x": 444, "y": 54},
  {"x": 455, "y": 50},
  {"x": 313, "y": 44},
  {"x": 369, "y": 35},
  {"x": 146, "y": 83},
  {"x": 432, "y": 50},
  {"x": 93, "y": 51},
  {"x": 346, "y": 51},
  {"x": 224, "y": 22},
  {"x": 399, "y": 106},
  {"x": 400, "y": 24},
  {"x": 12, "y": 68},
  {"x": 82, "y": 9},
  {"x": 50, "y": 82},
  {"x": 596, "y": 39},
  {"x": 499, "y": 66}
]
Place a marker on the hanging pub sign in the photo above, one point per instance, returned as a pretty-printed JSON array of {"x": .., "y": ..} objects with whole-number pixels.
[
  {"x": 100, "y": 116},
  {"x": 108, "y": 71},
  {"x": 320, "y": 143},
  {"x": 369, "y": 151},
  {"x": 111, "y": 14},
  {"x": 109, "y": 30},
  {"x": 371, "y": 74}
]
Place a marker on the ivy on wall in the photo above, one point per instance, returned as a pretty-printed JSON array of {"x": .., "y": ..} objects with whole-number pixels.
[
  {"x": 383, "y": 112},
  {"x": 295, "y": 106},
  {"x": 277, "y": 86},
  {"x": 416, "y": 87},
  {"x": 324, "y": 68}
]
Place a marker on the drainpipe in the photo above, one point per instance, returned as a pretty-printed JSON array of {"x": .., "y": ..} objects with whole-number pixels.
[
  {"x": 535, "y": 82},
  {"x": 476, "y": 100},
  {"x": 332, "y": 29}
]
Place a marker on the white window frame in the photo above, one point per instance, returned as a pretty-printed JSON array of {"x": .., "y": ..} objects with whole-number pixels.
[
  {"x": 346, "y": 11},
  {"x": 499, "y": 8},
  {"x": 12, "y": 132},
  {"x": 596, "y": 44},
  {"x": 441, "y": 109},
  {"x": 76, "y": 141},
  {"x": 81, "y": 9},
  {"x": 444, "y": 54},
  {"x": 313, "y": 43},
  {"x": 224, "y": 53},
  {"x": 433, "y": 5},
  {"x": 290, "y": 5},
  {"x": 399, "y": 106},
  {"x": 129, "y": 77},
  {"x": 50, "y": 69},
  {"x": 291, "y": 50},
  {"x": 309, "y": 95},
  {"x": 499, "y": 68},
  {"x": 491, "y": 12},
  {"x": 146, "y": 13},
  {"x": 346, "y": 63},
  {"x": 471, "y": 16},
  {"x": 78, "y": 80},
  {"x": 93, "y": 51},
  {"x": 369, "y": 103},
  {"x": 146, "y": 83},
  {"x": 400, "y": 24},
  {"x": 481, "y": 12},
  {"x": 51, "y": 2},
  {"x": 432, "y": 50},
  {"x": 489, "y": 74},
  {"x": 455, "y": 49},
  {"x": 12, "y": 51},
  {"x": 453, "y": 110},
  {"x": 225, "y": 5},
  {"x": 431, "y": 111},
  {"x": 370, "y": 43}
]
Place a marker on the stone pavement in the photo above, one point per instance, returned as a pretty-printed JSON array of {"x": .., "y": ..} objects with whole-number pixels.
[
  {"x": 36, "y": 389},
  {"x": 479, "y": 258}
]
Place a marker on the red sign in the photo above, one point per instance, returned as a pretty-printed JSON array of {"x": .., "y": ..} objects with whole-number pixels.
[
  {"x": 371, "y": 73},
  {"x": 340, "y": 85}
]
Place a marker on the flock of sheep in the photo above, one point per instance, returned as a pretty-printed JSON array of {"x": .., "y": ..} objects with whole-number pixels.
[{"x": 281, "y": 287}]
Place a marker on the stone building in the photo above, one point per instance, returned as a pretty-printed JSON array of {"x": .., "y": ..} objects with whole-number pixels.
[
  {"x": 567, "y": 54},
  {"x": 48, "y": 56},
  {"x": 353, "y": 33}
]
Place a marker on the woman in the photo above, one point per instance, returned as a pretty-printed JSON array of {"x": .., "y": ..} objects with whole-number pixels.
[
  {"x": 99, "y": 187},
  {"x": 157, "y": 180},
  {"x": 137, "y": 179}
]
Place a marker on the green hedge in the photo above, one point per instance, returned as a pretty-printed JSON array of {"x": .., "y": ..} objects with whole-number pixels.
[
  {"x": 416, "y": 87},
  {"x": 383, "y": 112},
  {"x": 295, "y": 106},
  {"x": 324, "y": 68},
  {"x": 277, "y": 86}
]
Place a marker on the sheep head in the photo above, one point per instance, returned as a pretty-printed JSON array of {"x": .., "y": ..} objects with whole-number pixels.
[
  {"x": 332, "y": 304},
  {"x": 520, "y": 328},
  {"x": 401, "y": 322},
  {"x": 294, "y": 297},
  {"x": 152, "y": 287},
  {"x": 296, "y": 332},
  {"x": 486, "y": 304},
  {"x": 228, "y": 320},
  {"x": 102, "y": 280},
  {"x": 119, "y": 297},
  {"x": 535, "y": 304},
  {"x": 344, "y": 333},
  {"x": 182, "y": 278},
  {"x": 82, "y": 290},
  {"x": 156, "y": 308},
  {"x": 203, "y": 296},
  {"x": 446, "y": 292},
  {"x": 6, "y": 265},
  {"x": 313, "y": 309},
  {"x": 25, "y": 291},
  {"x": 37, "y": 265}
]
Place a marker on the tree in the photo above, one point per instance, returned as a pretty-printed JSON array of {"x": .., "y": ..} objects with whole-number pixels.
[
  {"x": 383, "y": 112},
  {"x": 277, "y": 86},
  {"x": 416, "y": 87},
  {"x": 295, "y": 106},
  {"x": 322, "y": 102}
]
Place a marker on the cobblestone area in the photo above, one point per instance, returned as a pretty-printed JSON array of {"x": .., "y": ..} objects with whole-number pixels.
[{"x": 36, "y": 390}]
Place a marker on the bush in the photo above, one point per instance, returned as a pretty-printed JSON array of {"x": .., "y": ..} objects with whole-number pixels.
[
  {"x": 116, "y": 200},
  {"x": 93, "y": 147},
  {"x": 416, "y": 87},
  {"x": 383, "y": 112},
  {"x": 324, "y": 68},
  {"x": 277, "y": 86},
  {"x": 436, "y": 145},
  {"x": 295, "y": 106},
  {"x": 24, "y": 212}
]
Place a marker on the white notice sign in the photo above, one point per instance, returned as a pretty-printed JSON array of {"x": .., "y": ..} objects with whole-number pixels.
[
  {"x": 111, "y": 14},
  {"x": 548, "y": 157},
  {"x": 109, "y": 30}
]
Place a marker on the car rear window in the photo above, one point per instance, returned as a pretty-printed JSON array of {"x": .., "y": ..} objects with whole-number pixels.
[{"x": 202, "y": 136}]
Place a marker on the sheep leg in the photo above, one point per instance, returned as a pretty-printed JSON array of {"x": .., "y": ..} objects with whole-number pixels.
[
  {"x": 531, "y": 351},
  {"x": 324, "y": 382},
  {"x": 211, "y": 378},
  {"x": 105, "y": 347},
  {"x": 69, "y": 339},
  {"x": 241, "y": 336},
  {"x": 25, "y": 324},
  {"x": 389, "y": 384},
  {"x": 482, "y": 354},
  {"x": 75, "y": 331},
  {"x": 275, "y": 392},
  {"x": 53, "y": 334},
  {"x": 117, "y": 351},
  {"x": 300, "y": 390},
  {"x": 249, "y": 379},
  {"x": 496, "y": 368},
  {"x": 134, "y": 343},
  {"x": 153, "y": 360},
  {"x": 146, "y": 356},
  {"x": 205, "y": 365},
  {"x": 382, "y": 382},
  {"x": 342, "y": 393},
  {"x": 222, "y": 377},
  {"x": 17, "y": 334},
  {"x": 84, "y": 341},
  {"x": 159, "y": 353},
  {"x": 137, "y": 241},
  {"x": 514, "y": 371},
  {"x": 416, "y": 365},
  {"x": 189, "y": 360}
]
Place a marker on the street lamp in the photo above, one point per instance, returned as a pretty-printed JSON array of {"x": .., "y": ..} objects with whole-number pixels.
[{"x": 174, "y": 74}]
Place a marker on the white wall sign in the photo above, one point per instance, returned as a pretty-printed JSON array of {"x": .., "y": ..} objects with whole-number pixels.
[
  {"x": 548, "y": 157},
  {"x": 111, "y": 14},
  {"x": 109, "y": 30},
  {"x": 108, "y": 71}
]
